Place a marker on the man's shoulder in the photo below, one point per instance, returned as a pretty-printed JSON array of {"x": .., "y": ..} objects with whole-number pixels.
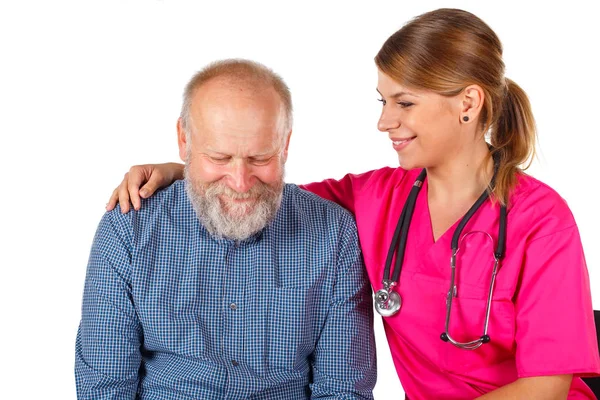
[
  {"x": 313, "y": 207},
  {"x": 173, "y": 196},
  {"x": 172, "y": 200}
]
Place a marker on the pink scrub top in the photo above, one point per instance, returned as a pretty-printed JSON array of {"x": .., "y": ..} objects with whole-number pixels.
[{"x": 541, "y": 320}]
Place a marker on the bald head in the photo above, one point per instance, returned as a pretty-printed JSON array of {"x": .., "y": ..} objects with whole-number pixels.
[{"x": 247, "y": 78}]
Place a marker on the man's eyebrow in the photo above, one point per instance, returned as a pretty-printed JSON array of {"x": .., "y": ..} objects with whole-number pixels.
[
  {"x": 269, "y": 153},
  {"x": 211, "y": 150},
  {"x": 399, "y": 94}
]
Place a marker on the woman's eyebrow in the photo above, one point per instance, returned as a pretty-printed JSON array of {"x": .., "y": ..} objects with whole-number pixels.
[{"x": 399, "y": 94}]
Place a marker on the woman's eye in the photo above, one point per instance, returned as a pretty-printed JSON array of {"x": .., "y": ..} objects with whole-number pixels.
[
  {"x": 382, "y": 101},
  {"x": 405, "y": 104}
]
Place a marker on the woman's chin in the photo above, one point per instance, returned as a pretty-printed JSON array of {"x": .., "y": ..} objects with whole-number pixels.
[{"x": 409, "y": 164}]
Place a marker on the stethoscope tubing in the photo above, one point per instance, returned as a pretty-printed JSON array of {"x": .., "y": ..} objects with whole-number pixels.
[{"x": 398, "y": 247}]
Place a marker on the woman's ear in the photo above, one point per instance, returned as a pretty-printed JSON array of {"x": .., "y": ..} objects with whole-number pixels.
[{"x": 472, "y": 99}]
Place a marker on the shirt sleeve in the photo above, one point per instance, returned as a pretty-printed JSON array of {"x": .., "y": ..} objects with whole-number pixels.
[
  {"x": 345, "y": 190},
  {"x": 107, "y": 350},
  {"x": 344, "y": 360},
  {"x": 555, "y": 331}
]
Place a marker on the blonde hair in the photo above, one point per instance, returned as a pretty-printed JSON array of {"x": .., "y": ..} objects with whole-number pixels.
[
  {"x": 447, "y": 50},
  {"x": 240, "y": 71}
]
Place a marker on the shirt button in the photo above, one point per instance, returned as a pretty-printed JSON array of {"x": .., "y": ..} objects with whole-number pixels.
[
  {"x": 234, "y": 363},
  {"x": 233, "y": 306}
]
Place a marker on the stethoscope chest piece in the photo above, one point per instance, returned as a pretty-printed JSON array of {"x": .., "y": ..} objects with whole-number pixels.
[{"x": 387, "y": 302}]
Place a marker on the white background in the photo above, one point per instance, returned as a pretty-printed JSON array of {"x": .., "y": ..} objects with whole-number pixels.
[{"x": 89, "y": 88}]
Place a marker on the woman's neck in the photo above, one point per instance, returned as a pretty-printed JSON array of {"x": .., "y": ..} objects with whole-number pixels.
[{"x": 463, "y": 177}]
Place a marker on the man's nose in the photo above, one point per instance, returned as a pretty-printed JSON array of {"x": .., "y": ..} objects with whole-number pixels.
[{"x": 242, "y": 177}]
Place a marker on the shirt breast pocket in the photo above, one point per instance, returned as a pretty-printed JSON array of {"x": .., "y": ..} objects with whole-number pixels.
[
  {"x": 475, "y": 264},
  {"x": 467, "y": 322},
  {"x": 301, "y": 273},
  {"x": 291, "y": 328},
  {"x": 297, "y": 309}
]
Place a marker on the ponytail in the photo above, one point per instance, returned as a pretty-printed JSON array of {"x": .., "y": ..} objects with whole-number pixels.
[{"x": 512, "y": 137}]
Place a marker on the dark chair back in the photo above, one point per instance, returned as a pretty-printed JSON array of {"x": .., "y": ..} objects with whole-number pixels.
[{"x": 594, "y": 383}]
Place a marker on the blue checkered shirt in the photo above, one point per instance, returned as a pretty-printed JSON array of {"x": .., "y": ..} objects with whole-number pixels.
[{"x": 170, "y": 312}]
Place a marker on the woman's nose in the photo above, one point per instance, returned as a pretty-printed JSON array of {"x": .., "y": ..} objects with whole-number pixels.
[{"x": 388, "y": 120}]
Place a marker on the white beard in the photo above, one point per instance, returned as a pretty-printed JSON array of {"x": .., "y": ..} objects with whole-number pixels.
[{"x": 223, "y": 217}]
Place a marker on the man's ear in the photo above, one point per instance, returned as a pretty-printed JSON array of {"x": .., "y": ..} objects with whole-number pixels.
[
  {"x": 182, "y": 140},
  {"x": 286, "y": 146}
]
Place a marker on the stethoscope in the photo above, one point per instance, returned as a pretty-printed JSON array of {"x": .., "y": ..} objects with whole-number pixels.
[{"x": 388, "y": 301}]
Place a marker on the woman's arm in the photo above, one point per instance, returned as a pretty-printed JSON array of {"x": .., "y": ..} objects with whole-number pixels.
[
  {"x": 143, "y": 180},
  {"x": 555, "y": 338},
  {"x": 554, "y": 387},
  {"x": 339, "y": 191}
]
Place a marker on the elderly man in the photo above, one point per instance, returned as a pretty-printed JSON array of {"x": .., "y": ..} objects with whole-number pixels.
[{"x": 229, "y": 284}]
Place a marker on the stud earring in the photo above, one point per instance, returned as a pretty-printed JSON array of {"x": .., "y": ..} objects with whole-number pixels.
[{"x": 465, "y": 118}]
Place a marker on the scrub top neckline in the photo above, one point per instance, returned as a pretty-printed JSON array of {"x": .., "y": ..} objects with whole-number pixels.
[{"x": 425, "y": 203}]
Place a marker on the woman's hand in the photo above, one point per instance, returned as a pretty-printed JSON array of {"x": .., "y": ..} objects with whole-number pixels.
[{"x": 141, "y": 182}]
